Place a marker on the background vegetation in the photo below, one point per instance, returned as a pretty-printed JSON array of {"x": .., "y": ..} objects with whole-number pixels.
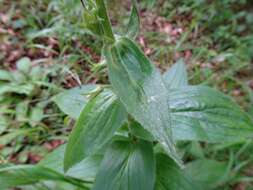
[{"x": 44, "y": 49}]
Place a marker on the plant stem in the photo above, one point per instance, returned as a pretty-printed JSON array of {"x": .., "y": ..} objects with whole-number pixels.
[{"x": 107, "y": 27}]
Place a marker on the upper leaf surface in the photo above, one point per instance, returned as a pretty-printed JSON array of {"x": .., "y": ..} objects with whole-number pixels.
[
  {"x": 204, "y": 114},
  {"x": 176, "y": 76},
  {"x": 127, "y": 166},
  {"x": 100, "y": 118},
  {"x": 141, "y": 89}
]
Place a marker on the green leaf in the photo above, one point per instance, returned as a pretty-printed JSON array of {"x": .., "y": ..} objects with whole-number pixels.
[
  {"x": 176, "y": 76},
  {"x": 204, "y": 114},
  {"x": 100, "y": 118},
  {"x": 26, "y": 89},
  {"x": 37, "y": 73},
  {"x": 5, "y": 75},
  {"x": 72, "y": 101},
  {"x": 54, "y": 160},
  {"x": 134, "y": 22},
  {"x": 127, "y": 166},
  {"x": 197, "y": 118},
  {"x": 51, "y": 185},
  {"x": 21, "y": 111},
  {"x": 92, "y": 22},
  {"x": 7, "y": 138},
  {"x": 141, "y": 89},
  {"x": 85, "y": 170},
  {"x": 138, "y": 131},
  {"x": 170, "y": 177},
  {"x": 24, "y": 65},
  {"x": 97, "y": 20},
  {"x": 207, "y": 173},
  {"x": 36, "y": 115},
  {"x": 150, "y": 3},
  {"x": 3, "y": 124},
  {"x": 28, "y": 174}
]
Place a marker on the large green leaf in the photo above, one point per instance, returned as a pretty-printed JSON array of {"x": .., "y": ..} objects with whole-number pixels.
[
  {"x": 100, "y": 118},
  {"x": 176, "y": 76},
  {"x": 127, "y": 166},
  {"x": 170, "y": 177},
  {"x": 72, "y": 101},
  {"x": 204, "y": 114},
  {"x": 27, "y": 174},
  {"x": 141, "y": 89}
]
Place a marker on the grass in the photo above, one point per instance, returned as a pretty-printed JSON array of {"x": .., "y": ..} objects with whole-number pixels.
[{"x": 45, "y": 49}]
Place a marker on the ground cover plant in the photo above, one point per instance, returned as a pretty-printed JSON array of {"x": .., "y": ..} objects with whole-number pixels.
[{"x": 135, "y": 132}]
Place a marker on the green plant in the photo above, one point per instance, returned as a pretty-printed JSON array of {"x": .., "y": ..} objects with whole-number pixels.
[
  {"x": 24, "y": 108},
  {"x": 126, "y": 132}
]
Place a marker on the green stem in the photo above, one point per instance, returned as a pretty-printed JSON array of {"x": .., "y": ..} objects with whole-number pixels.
[{"x": 107, "y": 27}]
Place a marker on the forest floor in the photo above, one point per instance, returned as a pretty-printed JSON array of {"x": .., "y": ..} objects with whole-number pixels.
[{"x": 45, "y": 48}]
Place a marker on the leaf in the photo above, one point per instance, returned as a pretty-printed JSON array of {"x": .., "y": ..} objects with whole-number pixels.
[
  {"x": 127, "y": 166},
  {"x": 37, "y": 73},
  {"x": 139, "y": 132},
  {"x": 176, "y": 76},
  {"x": 24, "y": 64},
  {"x": 150, "y": 3},
  {"x": 28, "y": 174},
  {"x": 85, "y": 170},
  {"x": 207, "y": 173},
  {"x": 51, "y": 185},
  {"x": 21, "y": 111},
  {"x": 97, "y": 20},
  {"x": 3, "y": 124},
  {"x": 5, "y": 75},
  {"x": 204, "y": 114},
  {"x": 72, "y": 101},
  {"x": 16, "y": 88},
  {"x": 37, "y": 114},
  {"x": 170, "y": 177},
  {"x": 7, "y": 138},
  {"x": 100, "y": 118},
  {"x": 141, "y": 89},
  {"x": 54, "y": 160},
  {"x": 134, "y": 22},
  {"x": 197, "y": 118}
]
